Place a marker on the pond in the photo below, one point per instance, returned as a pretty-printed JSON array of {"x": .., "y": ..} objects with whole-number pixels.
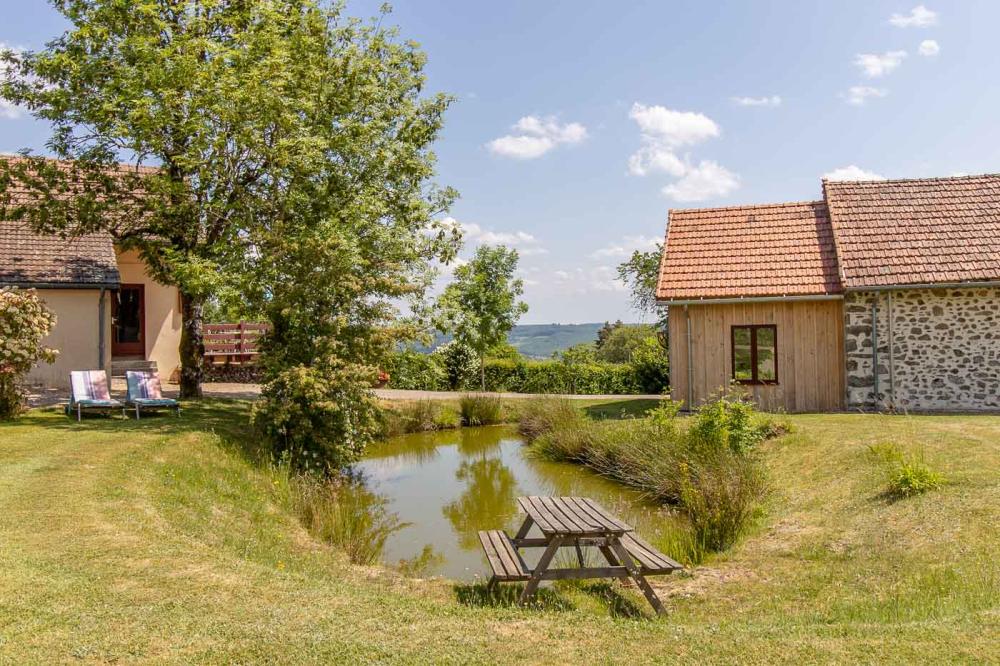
[{"x": 448, "y": 485}]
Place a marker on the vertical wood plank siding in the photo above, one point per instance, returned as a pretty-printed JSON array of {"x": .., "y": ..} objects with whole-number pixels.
[{"x": 810, "y": 352}]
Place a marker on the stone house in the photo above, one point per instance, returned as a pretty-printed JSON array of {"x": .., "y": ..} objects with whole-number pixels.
[
  {"x": 110, "y": 314},
  {"x": 881, "y": 295}
]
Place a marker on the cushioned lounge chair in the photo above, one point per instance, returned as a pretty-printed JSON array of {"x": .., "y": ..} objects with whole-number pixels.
[
  {"x": 144, "y": 392},
  {"x": 89, "y": 390}
]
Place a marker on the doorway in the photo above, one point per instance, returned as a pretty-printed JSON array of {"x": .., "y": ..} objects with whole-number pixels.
[{"x": 128, "y": 321}]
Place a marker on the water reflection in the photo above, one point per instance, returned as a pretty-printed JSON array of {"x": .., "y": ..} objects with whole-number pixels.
[{"x": 449, "y": 485}]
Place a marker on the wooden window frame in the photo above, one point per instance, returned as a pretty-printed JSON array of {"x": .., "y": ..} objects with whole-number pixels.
[{"x": 753, "y": 328}]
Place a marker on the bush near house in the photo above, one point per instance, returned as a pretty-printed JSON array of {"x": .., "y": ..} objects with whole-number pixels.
[{"x": 24, "y": 323}]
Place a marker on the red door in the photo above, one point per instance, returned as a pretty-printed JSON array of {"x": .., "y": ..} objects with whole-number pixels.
[{"x": 128, "y": 321}]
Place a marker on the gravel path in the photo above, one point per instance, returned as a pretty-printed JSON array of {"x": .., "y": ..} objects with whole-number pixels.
[{"x": 252, "y": 391}]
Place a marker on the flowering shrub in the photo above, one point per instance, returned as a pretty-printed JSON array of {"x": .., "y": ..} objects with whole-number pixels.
[{"x": 24, "y": 323}]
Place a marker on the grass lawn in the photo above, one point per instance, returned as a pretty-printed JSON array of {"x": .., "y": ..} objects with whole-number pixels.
[{"x": 156, "y": 540}]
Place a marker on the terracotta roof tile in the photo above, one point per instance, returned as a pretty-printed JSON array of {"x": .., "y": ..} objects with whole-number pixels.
[
  {"x": 749, "y": 251},
  {"x": 917, "y": 231}
]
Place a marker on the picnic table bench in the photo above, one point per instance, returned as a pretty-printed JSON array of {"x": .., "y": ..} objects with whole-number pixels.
[{"x": 573, "y": 522}]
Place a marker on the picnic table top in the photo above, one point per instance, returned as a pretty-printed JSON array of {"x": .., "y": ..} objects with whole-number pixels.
[{"x": 571, "y": 516}]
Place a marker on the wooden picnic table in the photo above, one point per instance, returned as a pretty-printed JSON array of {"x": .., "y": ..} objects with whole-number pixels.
[{"x": 573, "y": 522}]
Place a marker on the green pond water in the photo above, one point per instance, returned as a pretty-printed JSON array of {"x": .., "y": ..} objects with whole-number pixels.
[{"x": 448, "y": 485}]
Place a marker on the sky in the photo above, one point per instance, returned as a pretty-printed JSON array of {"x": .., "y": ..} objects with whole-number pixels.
[{"x": 577, "y": 125}]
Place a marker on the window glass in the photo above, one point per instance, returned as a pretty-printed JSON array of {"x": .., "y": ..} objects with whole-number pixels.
[
  {"x": 742, "y": 353},
  {"x": 766, "y": 368}
]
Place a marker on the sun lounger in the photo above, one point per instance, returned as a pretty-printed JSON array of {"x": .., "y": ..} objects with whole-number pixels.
[
  {"x": 144, "y": 392},
  {"x": 89, "y": 390}
]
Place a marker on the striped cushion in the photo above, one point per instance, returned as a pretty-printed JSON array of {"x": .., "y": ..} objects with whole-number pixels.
[
  {"x": 90, "y": 385},
  {"x": 143, "y": 385}
]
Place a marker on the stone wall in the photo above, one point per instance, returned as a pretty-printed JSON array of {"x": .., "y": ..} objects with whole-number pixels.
[{"x": 945, "y": 349}]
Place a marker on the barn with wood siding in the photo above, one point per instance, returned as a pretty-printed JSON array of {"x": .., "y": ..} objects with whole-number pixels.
[{"x": 882, "y": 295}]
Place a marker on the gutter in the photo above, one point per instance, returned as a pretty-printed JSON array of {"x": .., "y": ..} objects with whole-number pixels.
[
  {"x": 113, "y": 286},
  {"x": 933, "y": 285},
  {"x": 100, "y": 329},
  {"x": 687, "y": 319},
  {"x": 755, "y": 299}
]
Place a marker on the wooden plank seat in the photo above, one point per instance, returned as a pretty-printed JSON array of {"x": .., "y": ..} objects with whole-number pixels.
[
  {"x": 506, "y": 563},
  {"x": 651, "y": 561}
]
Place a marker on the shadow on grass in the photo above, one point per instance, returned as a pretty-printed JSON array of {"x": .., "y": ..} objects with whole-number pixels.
[
  {"x": 621, "y": 409},
  {"x": 227, "y": 418},
  {"x": 506, "y": 595}
]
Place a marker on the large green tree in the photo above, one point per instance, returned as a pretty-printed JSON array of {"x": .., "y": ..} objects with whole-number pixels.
[
  {"x": 481, "y": 305},
  {"x": 352, "y": 234},
  {"x": 211, "y": 93}
]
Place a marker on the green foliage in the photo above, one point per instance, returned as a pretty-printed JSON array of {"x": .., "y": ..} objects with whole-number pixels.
[
  {"x": 413, "y": 370},
  {"x": 504, "y": 350},
  {"x": 345, "y": 515},
  {"x": 481, "y": 305},
  {"x": 622, "y": 341},
  {"x": 651, "y": 364},
  {"x": 731, "y": 422},
  {"x": 320, "y": 418},
  {"x": 459, "y": 362},
  {"x": 24, "y": 322},
  {"x": 481, "y": 410},
  {"x": 905, "y": 475},
  {"x": 585, "y": 352},
  {"x": 640, "y": 273},
  {"x": 606, "y": 331},
  {"x": 558, "y": 377},
  {"x": 709, "y": 470}
]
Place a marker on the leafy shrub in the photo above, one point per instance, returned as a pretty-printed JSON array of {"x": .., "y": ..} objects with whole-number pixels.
[
  {"x": 721, "y": 493},
  {"x": 481, "y": 410},
  {"x": 622, "y": 341},
  {"x": 460, "y": 363},
  {"x": 412, "y": 370},
  {"x": 905, "y": 475},
  {"x": 319, "y": 418},
  {"x": 731, "y": 422},
  {"x": 524, "y": 376},
  {"x": 24, "y": 323},
  {"x": 651, "y": 365},
  {"x": 345, "y": 515}
]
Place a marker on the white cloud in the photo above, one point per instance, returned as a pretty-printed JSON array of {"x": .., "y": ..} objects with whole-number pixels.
[
  {"x": 929, "y": 47},
  {"x": 474, "y": 235},
  {"x": 673, "y": 128},
  {"x": 705, "y": 181},
  {"x": 532, "y": 137},
  {"x": 665, "y": 130},
  {"x": 582, "y": 281},
  {"x": 852, "y": 172},
  {"x": 773, "y": 100},
  {"x": 875, "y": 65},
  {"x": 625, "y": 248},
  {"x": 859, "y": 95},
  {"x": 919, "y": 17},
  {"x": 7, "y": 109}
]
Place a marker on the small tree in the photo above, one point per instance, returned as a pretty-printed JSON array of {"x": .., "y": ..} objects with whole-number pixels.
[
  {"x": 481, "y": 306},
  {"x": 640, "y": 273},
  {"x": 24, "y": 323}
]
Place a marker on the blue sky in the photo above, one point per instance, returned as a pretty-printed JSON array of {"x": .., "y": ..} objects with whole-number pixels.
[{"x": 578, "y": 125}]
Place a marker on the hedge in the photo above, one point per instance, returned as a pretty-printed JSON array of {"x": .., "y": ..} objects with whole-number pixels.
[{"x": 555, "y": 377}]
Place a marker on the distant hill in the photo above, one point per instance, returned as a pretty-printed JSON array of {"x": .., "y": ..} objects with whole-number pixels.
[{"x": 541, "y": 340}]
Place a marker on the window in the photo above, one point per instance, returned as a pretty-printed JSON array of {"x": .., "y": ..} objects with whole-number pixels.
[{"x": 755, "y": 354}]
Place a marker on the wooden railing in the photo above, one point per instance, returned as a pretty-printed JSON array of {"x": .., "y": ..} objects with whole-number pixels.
[{"x": 233, "y": 343}]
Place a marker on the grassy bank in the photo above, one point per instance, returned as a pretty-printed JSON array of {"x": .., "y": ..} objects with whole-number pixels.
[{"x": 157, "y": 541}]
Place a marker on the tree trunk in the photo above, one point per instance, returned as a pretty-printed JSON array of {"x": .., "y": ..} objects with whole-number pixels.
[
  {"x": 482, "y": 371},
  {"x": 192, "y": 348}
]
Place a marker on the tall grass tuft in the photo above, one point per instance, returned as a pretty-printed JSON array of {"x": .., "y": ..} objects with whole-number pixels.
[
  {"x": 418, "y": 416},
  {"x": 545, "y": 415},
  {"x": 344, "y": 514},
  {"x": 709, "y": 470},
  {"x": 481, "y": 410},
  {"x": 905, "y": 475}
]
